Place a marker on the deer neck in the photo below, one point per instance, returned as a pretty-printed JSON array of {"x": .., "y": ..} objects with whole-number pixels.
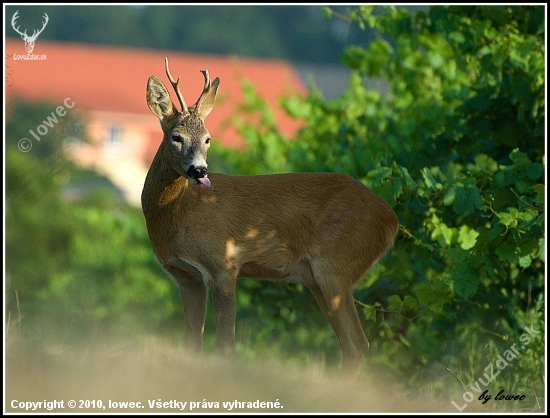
[{"x": 164, "y": 188}]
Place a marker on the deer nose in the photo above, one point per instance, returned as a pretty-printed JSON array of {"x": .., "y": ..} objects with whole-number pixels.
[{"x": 197, "y": 172}]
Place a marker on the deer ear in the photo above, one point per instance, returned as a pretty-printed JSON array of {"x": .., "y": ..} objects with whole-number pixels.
[
  {"x": 206, "y": 101},
  {"x": 158, "y": 99}
]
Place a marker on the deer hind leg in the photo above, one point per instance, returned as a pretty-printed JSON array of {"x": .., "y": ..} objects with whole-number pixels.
[
  {"x": 194, "y": 297},
  {"x": 339, "y": 308}
]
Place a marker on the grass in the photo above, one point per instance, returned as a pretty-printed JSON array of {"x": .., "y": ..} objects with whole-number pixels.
[{"x": 105, "y": 372}]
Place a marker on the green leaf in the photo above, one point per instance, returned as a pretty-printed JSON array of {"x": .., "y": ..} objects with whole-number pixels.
[
  {"x": 528, "y": 247},
  {"x": 409, "y": 180},
  {"x": 456, "y": 37},
  {"x": 410, "y": 302},
  {"x": 542, "y": 246},
  {"x": 450, "y": 194},
  {"x": 467, "y": 200},
  {"x": 394, "y": 303},
  {"x": 433, "y": 295},
  {"x": 508, "y": 251},
  {"x": 520, "y": 159},
  {"x": 467, "y": 237},
  {"x": 431, "y": 182},
  {"x": 327, "y": 12},
  {"x": 379, "y": 174},
  {"x": 370, "y": 311},
  {"x": 465, "y": 279},
  {"x": 510, "y": 218},
  {"x": 525, "y": 261},
  {"x": 540, "y": 191},
  {"x": 504, "y": 178}
]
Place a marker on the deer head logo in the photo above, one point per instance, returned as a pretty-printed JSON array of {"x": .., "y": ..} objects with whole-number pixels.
[{"x": 29, "y": 40}]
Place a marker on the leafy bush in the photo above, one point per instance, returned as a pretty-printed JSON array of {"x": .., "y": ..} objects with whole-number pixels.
[{"x": 456, "y": 146}]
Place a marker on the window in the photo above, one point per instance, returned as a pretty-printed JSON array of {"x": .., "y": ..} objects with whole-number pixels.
[{"x": 113, "y": 138}]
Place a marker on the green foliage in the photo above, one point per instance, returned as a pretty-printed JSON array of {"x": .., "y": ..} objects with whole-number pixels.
[
  {"x": 267, "y": 148},
  {"x": 456, "y": 146}
]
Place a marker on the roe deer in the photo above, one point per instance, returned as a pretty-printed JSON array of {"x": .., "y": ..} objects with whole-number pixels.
[{"x": 208, "y": 229}]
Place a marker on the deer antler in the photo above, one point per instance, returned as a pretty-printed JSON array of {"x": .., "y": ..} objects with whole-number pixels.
[
  {"x": 35, "y": 33},
  {"x": 13, "y": 19},
  {"x": 176, "y": 87}
]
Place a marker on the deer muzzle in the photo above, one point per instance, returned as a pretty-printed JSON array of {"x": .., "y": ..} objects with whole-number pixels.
[{"x": 199, "y": 174}]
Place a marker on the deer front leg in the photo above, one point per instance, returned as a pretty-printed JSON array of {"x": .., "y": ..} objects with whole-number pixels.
[
  {"x": 194, "y": 296},
  {"x": 223, "y": 296}
]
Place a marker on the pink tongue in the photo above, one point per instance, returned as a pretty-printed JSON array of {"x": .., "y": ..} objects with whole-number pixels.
[{"x": 204, "y": 181}]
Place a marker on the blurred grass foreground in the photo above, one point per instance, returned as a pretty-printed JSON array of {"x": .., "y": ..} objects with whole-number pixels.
[{"x": 107, "y": 373}]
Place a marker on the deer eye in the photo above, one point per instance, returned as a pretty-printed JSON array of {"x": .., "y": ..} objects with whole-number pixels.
[
  {"x": 207, "y": 141},
  {"x": 177, "y": 138}
]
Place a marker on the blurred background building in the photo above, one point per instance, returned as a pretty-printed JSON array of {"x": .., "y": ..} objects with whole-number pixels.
[
  {"x": 107, "y": 87},
  {"x": 101, "y": 57}
]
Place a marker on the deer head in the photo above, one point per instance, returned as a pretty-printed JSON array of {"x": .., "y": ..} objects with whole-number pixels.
[
  {"x": 186, "y": 140},
  {"x": 29, "y": 40}
]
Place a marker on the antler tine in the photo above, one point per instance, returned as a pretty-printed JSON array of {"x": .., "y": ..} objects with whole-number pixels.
[
  {"x": 46, "y": 20},
  {"x": 207, "y": 82},
  {"x": 175, "y": 86}
]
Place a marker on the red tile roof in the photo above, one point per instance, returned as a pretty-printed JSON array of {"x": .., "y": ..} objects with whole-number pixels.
[{"x": 111, "y": 78}]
